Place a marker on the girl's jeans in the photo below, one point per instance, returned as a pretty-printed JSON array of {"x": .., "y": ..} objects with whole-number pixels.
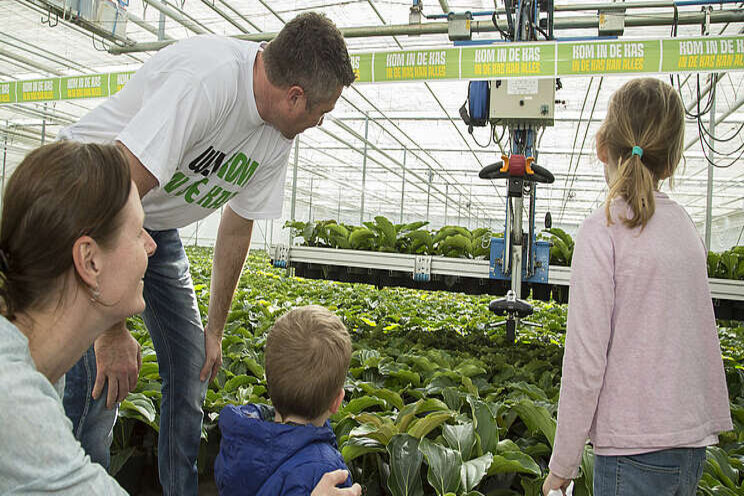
[{"x": 671, "y": 472}]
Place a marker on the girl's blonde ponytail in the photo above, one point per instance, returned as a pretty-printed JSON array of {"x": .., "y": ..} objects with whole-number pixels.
[{"x": 636, "y": 184}]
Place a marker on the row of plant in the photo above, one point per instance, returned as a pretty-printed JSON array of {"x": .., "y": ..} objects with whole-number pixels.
[
  {"x": 384, "y": 236},
  {"x": 460, "y": 242},
  {"x": 437, "y": 401}
]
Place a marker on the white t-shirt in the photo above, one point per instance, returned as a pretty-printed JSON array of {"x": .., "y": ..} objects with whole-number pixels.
[{"x": 189, "y": 115}]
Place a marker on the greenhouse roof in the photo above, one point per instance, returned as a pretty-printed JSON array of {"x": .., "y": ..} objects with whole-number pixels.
[{"x": 412, "y": 126}]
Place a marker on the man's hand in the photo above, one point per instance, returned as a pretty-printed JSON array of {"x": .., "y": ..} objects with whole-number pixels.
[
  {"x": 329, "y": 481},
  {"x": 555, "y": 483},
  {"x": 213, "y": 360},
  {"x": 118, "y": 360}
]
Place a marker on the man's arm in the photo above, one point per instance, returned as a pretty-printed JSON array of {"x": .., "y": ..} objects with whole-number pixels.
[
  {"x": 143, "y": 178},
  {"x": 118, "y": 357},
  {"x": 230, "y": 250}
]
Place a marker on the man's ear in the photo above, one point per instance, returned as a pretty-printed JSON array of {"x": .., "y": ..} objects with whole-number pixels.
[
  {"x": 296, "y": 96},
  {"x": 86, "y": 257},
  {"x": 336, "y": 404}
]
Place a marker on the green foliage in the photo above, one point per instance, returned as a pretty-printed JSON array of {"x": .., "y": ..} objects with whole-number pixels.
[
  {"x": 382, "y": 235},
  {"x": 562, "y": 246},
  {"x": 435, "y": 402}
]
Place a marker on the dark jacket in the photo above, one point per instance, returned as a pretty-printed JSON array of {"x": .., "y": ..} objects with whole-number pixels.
[{"x": 259, "y": 457}]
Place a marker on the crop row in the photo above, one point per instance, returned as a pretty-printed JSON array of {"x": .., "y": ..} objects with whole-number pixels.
[
  {"x": 437, "y": 401},
  {"x": 459, "y": 242}
]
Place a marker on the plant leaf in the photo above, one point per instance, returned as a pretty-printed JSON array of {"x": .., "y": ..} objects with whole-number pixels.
[
  {"x": 460, "y": 438},
  {"x": 473, "y": 471},
  {"x": 424, "y": 426},
  {"x": 405, "y": 466},
  {"x": 485, "y": 425},
  {"x": 444, "y": 467}
]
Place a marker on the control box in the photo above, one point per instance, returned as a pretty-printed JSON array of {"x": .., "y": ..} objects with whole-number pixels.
[{"x": 522, "y": 102}]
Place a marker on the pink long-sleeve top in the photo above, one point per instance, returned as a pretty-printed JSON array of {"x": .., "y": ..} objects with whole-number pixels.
[{"x": 642, "y": 369}]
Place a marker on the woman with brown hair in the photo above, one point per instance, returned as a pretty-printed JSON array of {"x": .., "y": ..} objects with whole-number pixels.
[{"x": 72, "y": 256}]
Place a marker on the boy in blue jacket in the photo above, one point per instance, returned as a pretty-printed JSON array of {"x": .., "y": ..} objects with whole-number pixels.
[{"x": 285, "y": 450}]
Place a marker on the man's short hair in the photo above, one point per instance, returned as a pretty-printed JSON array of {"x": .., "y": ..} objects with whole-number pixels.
[
  {"x": 309, "y": 52},
  {"x": 307, "y": 357}
]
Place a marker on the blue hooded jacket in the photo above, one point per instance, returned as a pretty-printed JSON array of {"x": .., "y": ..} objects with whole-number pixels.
[{"x": 259, "y": 457}]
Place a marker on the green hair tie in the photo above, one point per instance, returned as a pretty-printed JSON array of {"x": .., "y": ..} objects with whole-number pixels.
[{"x": 637, "y": 150}]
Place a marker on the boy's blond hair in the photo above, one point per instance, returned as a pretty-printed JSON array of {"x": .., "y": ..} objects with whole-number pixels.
[{"x": 307, "y": 357}]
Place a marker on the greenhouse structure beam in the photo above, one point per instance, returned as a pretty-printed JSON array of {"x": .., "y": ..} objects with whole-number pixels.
[
  {"x": 241, "y": 16},
  {"x": 147, "y": 26},
  {"x": 262, "y": 2},
  {"x": 294, "y": 176},
  {"x": 28, "y": 62},
  {"x": 186, "y": 15},
  {"x": 82, "y": 28},
  {"x": 45, "y": 54},
  {"x": 578, "y": 22},
  {"x": 177, "y": 16},
  {"x": 709, "y": 186},
  {"x": 433, "y": 94},
  {"x": 403, "y": 186},
  {"x": 401, "y": 131},
  {"x": 374, "y": 147},
  {"x": 222, "y": 14},
  {"x": 364, "y": 168},
  {"x": 719, "y": 120}
]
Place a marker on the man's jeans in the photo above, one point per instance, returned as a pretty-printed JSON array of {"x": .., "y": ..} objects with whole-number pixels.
[
  {"x": 672, "y": 472},
  {"x": 172, "y": 318}
]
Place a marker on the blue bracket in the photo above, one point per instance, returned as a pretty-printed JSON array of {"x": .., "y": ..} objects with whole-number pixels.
[{"x": 541, "y": 262}]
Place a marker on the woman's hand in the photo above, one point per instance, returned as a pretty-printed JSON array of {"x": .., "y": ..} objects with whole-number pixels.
[{"x": 329, "y": 481}]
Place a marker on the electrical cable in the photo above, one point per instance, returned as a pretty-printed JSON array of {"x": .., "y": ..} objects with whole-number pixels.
[{"x": 490, "y": 139}]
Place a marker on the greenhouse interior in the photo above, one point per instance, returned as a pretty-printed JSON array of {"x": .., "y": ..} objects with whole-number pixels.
[{"x": 466, "y": 147}]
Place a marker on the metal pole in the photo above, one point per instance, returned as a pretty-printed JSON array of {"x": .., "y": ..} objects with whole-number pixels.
[
  {"x": 459, "y": 205},
  {"x": 574, "y": 22},
  {"x": 5, "y": 156},
  {"x": 446, "y": 202},
  {"x": 403, "y": 185},
  {"x": 310, "y": 212},
  {"x": 176, "y": 16},
  {"x": 711, "y": 157},
  {"x": 470, "y": 203},
  {"x": 428, "y": 194},
  {"x": 43, "y": 126},
  {"x": 294, "y": 178},
  {"x": 338, "y": 214},
  {"x": 364, "y": 167},
  {"x": 161, "y": 25},
  {"x": 196, "y": 234}
]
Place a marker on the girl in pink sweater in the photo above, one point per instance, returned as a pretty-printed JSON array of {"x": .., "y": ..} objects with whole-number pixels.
[{"x": 642, "y": 371}]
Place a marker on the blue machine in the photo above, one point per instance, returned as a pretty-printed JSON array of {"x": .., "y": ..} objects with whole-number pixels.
[{"x": 540, "y": 260}]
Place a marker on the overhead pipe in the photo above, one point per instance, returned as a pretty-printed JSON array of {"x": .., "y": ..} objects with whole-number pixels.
[
  {"x": 224, "y": 16},
  {"x": 145, "y": 25},
  {"x": 241, "y": 16},
  {"x": 46, "y": 54},
  {"x": 29, "y": 62},
  {"x": 577, "y": 22},
  {"x": 720, "y": 120},
  {"x": 173, "y": 14}
]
